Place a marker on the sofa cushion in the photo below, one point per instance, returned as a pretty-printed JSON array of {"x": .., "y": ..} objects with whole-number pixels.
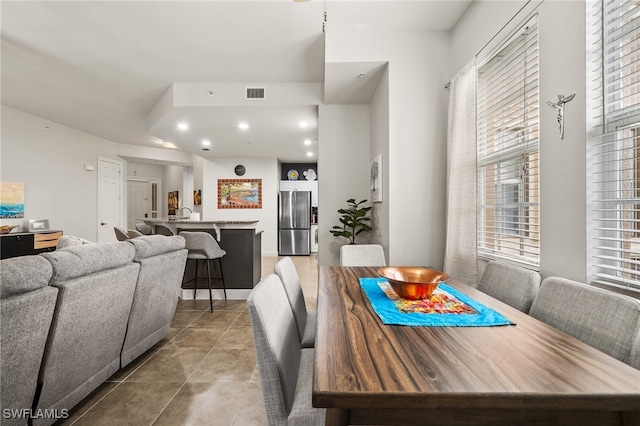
[
  {"x": 154, "y": 245},
  {"x": 85, "y": 259},
  {"x": 26, "y": 319},
  {"x": 23, "y": 274}
]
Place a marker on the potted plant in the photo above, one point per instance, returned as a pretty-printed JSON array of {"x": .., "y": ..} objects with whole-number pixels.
[{"x": 354, "y": 221}]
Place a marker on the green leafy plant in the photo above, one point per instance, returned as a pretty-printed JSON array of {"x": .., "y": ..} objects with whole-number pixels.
[{"x": 354, "y": 221}]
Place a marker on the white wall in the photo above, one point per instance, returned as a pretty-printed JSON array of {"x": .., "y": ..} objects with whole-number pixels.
[
  {"x": 142, "y": 170},
  {"x": 418, "y": 70},
  {"x": 563, "y": 162},
  {"x": 256, "y": 168},
  {"x": 50, "y": 162},
  {"x": 380, "y": 145},
  {"x": 343, "y": 170},
  {"x": 477, "y": 28}
]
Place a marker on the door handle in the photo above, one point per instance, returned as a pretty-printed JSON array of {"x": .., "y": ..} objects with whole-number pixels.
[{"x": 103, "y": 223}]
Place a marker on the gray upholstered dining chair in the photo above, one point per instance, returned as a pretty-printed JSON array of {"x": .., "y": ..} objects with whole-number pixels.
[
  {"x": 510, "y": 284},
  {"x": 362, "y": 255},
  {"x": 144, "y": 228},
  {"x": 305, "y": 320},
  {"x": 286, "y": 369},
  {"x": 202, "y": 246},
  {"x": 121, "y": 234},
  {"x": 606, "y": 320}
]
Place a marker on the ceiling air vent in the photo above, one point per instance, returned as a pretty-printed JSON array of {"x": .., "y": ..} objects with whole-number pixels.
[{"x": 255, "y": 93}]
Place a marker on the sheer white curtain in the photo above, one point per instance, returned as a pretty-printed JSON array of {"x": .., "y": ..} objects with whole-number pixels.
[{"x": 460, "y": 253}]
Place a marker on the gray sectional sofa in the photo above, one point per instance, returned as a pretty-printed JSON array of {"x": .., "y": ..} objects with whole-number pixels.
[{"x": 97, "y": 307}]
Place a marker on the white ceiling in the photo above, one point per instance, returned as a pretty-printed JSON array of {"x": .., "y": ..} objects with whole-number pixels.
[{"x": 101, "y": 66}]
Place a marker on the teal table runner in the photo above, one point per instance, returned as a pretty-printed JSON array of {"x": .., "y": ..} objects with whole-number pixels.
[{"x": 447, "y": 307}]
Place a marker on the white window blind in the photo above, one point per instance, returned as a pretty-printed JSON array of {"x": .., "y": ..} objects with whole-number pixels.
[
  {"x": 508, "y": 151},
  {"x": 615, "y": 149}
]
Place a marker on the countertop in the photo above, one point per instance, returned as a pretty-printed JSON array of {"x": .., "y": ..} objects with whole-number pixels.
[
  {"x": 185, "y": 224},
  {"x": 215, "y": 222}
]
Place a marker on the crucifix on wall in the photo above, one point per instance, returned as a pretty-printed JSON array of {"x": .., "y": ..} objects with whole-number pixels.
[{"x": 559, "y": 106}]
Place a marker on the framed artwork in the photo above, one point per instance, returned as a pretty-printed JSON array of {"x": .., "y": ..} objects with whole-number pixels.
[
  {"x": 376, "y": 179},
  {"x": 11, "y": 200},
  {"x": 197, "y": 197},
  {"x": 173, "y": 203},
  {"x": 239, "y": 193}
]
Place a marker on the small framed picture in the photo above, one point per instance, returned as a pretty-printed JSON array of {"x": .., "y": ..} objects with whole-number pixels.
[{"x": 38, "y": 225}]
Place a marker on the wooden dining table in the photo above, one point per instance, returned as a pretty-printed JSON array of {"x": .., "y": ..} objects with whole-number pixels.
[{"x": 366, "y": 372}]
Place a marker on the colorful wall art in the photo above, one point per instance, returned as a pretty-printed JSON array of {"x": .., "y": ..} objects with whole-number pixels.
[
  {"x": 11, "y": 200},
  {"x": 239, "y": 193},
  {"x": 173, "y": 199}
]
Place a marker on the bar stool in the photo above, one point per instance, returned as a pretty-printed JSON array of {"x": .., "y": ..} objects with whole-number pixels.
[
  {"x": 121, "y": 234},
  {"x": 202, "y": 246},
  {"x": 144, "y": 228}
]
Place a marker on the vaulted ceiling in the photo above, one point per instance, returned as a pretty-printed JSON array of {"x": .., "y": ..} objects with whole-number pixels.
[{"x": 101, "y": 67}]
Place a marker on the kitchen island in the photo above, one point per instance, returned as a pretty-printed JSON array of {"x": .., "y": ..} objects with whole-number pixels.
[{"x": 242, "y": 240}]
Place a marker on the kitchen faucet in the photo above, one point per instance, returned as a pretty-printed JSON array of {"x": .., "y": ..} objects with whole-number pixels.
[{"x": 180, "y": 212}]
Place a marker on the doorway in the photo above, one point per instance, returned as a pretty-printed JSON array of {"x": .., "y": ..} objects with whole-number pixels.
[
  {"x": 110, "y": 203},
  {"x": 142, "y": 200}
]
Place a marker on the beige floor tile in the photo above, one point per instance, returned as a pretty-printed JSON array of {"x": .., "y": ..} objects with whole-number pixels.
[
  {"x": 130, "y": 404},
  {"x": 216, "y": 319},
  {"x": 200, "y": 404},
  {"x": 255, "y": 377},
  {"x": 236, "y": 337},
  {"x": 229, "y": 305},
  {"x": 169, "y": 365},
  {"x": 192, "y": 305},
  {"x": 87, "y": 403},
  {"x": 184, "y": 318},
  {"x": 243, "y": 319},
  {"x": 200, "y": 338},
  {"x": 225, "y": 365},
  {"x": 253, "y": 412}
]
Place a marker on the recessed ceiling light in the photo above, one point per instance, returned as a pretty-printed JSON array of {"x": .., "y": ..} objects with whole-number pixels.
[
  {"x": 304, "y": 124},
  {"x": 168, "y": 145},
  {"x": 309, "y": 154},
  {"x": 243, "y": 125},
  {"x": 206, "y": 143},
  {"x": 183, "y": 126},
  {"x": 307, "y": 142}
]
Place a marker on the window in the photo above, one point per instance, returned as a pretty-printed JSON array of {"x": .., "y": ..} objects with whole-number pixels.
[
  {"x": 508, "y": 159},
  {"x": 615, "y": 142}
]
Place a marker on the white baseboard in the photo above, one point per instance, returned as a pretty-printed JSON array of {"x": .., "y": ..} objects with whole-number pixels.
[
  {"x": 270, "y": 253},
  {"x": 232, "y": 294}
]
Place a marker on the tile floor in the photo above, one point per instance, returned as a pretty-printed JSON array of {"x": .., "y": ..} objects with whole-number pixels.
[{"x": 203, "y": 373}]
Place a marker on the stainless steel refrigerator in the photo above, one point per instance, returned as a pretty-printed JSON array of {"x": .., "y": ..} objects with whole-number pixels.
[{"x": 294, "y": 223}]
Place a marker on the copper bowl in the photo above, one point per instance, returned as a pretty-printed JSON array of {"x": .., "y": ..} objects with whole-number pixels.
[
  {"x": 5, "y": 229},
  {"x": 413, "y": 282}
]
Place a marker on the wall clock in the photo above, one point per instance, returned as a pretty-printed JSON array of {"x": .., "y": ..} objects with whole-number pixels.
[{"x": 240, "y": 170}]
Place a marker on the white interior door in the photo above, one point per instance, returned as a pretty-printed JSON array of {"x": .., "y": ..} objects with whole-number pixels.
[
  {"x": 137, "y": 201},
  {"x": 110, "y": 201}
]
